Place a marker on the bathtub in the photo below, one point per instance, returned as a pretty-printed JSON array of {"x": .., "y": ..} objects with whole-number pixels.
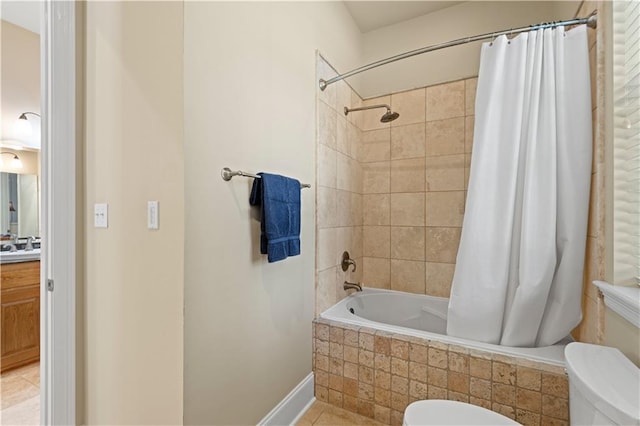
[
  {"x": 376, "y": 351},
  {"x": 425, "y": 317}
]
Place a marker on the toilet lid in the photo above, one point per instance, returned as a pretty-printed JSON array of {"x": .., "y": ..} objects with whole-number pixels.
[
  {"x": 607, "y": 379},
  {"x": 441, "y": 412}
]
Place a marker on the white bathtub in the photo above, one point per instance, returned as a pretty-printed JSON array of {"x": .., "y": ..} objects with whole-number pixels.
[{"x": 423, "y": 317}]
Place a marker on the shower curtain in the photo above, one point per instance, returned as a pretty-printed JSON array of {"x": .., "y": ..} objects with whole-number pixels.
[{"x": 518, "y": 276}]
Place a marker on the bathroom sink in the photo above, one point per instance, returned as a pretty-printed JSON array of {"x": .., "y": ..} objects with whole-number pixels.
[{"x": 19, "y": 256}]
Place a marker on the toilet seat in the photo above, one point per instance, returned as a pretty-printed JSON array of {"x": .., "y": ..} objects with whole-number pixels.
[{"x": 442, "y": 412}]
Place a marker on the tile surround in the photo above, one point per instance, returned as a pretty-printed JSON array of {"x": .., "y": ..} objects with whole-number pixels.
[
  {"x": 407, "y": 209},
  {"x": 408, "y": 175},
  {"x": 445, "y": 137},
  {"x": 438, "y": 278},
  {"x": 339, "y": 202},
  {"x": 376, "y": 209},
  {"x": 591, "y": 329},
  {"x": 408, "y": 141},
  {"x": 376, "y": 272},
  {"x": 445, "y": 209},
  {"x": 410, "y": 105},
  {"x": 376, "y": 177},
  {"x": 408, "y": 243},
  {"x": 406, "y": 194},
  {"x": 445, "y": 101},
  {"x": 444, "y": 173},
  {"x": 423, "y": 201},
  {"x": 376, "y": 146},
  {"x": 408, "y": 276},
  {"x": 377, "y": 374},
  {"x": 376, "y": 241}
]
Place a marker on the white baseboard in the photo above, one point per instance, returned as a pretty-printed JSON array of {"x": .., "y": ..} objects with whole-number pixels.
[{"x": 293, "y": 406}]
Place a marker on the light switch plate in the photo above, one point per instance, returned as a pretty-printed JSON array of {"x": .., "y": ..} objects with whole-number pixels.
[
  {"x": 153, "y": 215},
  {"x": 101, "y": 215}
]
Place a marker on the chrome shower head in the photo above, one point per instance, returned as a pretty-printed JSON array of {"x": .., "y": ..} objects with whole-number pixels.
[{"x": 387, "y": 117}]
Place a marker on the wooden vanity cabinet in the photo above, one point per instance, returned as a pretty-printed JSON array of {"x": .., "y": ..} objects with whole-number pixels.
[{"x": 20, "y": 314}]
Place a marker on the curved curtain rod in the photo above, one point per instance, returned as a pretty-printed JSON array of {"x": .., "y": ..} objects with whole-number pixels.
[{"x": 591, "y": 22}]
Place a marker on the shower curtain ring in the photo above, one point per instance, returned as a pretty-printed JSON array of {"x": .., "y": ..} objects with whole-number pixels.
[{"x": 493, "y": 38}]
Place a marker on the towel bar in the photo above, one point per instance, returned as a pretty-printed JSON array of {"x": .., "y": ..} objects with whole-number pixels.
[{"x": 227, "y": 174}]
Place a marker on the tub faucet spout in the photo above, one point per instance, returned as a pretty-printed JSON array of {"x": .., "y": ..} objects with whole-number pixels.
[{"x": 352, "y": 286}]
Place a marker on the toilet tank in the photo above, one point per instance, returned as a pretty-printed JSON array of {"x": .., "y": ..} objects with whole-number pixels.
[{"x": 604, "y": 386}]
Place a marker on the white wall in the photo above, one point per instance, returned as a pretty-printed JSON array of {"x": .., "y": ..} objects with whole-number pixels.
[
  {"x": 459, "y": 21},
  {"x": 250, "y": 85},
  {"x": 133, "y": 279}
]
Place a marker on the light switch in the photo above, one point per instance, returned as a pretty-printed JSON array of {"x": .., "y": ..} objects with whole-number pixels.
[
  {"x": 152, "y": 215},
  {"x": 101, "y": 215}
]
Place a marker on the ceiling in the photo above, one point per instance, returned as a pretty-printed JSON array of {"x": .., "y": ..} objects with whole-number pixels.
[
  {"x": 371, "y": 15},
  {"x": 24, "y": 13}
]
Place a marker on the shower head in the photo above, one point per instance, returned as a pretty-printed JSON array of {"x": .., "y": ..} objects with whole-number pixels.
[
  {"x": 386, "y": 118},
  {"x": 389, "y": 116}
]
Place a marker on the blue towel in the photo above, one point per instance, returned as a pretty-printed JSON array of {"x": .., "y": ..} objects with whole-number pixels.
[{"x": 279, "y": 197}]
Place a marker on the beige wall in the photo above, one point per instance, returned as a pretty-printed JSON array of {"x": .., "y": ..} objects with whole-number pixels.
[
  {"x": 133, "y": 295},
  {"x": 459, "y": 21},
  {"x": 19, "y": 83},
  {"x": 81, "y": 215},
  {"x": 250, "y": 79}
]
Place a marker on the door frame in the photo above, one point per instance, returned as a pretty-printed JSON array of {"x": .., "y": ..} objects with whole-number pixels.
[{"x": 58, "y": 218}]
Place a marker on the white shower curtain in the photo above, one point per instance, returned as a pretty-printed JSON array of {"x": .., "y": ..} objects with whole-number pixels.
[{"x": 518, "y": 276}]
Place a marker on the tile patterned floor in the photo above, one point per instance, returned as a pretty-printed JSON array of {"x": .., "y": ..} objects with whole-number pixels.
[
  {"x": 322, "y": 414},
  {"x": 20, "y": 396}
]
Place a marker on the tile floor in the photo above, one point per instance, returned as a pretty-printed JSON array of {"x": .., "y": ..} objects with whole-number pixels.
[
  {"x": 20, "y": 396},
  {"x": 323, "y": 414}
]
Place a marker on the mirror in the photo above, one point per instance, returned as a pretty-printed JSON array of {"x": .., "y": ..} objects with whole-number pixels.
[{"x": 20, "y": 204}]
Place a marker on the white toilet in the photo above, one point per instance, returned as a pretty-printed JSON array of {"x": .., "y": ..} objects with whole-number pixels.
[
  {"x": 604, "y": 386},
  {"x": 442, "y": 412}
]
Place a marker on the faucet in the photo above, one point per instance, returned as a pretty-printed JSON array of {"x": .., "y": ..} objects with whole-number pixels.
[
  {"x": 29, "y": 246},
  {"x": 352, "y": 286},
  {"x": 12, "y": 247}
]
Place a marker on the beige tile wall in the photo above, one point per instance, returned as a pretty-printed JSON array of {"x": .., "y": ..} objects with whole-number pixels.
[
  {"x": 414, "y": 173},
  {"x": 377, "y": 375},
  {"x": 339, "y": 192},
  {"x": 392, "y": 194},
  {"x": 591, "y": 329}
]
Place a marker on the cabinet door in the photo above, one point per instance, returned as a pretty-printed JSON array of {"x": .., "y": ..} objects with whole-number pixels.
[{"x": 20, "y": 316}]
